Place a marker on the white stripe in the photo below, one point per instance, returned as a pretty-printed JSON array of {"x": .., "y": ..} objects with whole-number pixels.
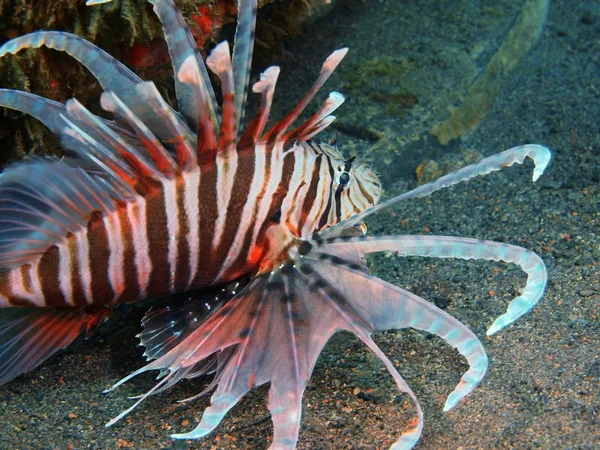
[
  {"x": 347, "y": 208},
  {"x": 226, "y": 167},
  {"x": 36, "y": 284},
  {"x": 64, "y": 272},
  {"x": 276, "y": 171},
  {"x": 245, "y": 223},
  {"x": 191, "y": 203},
  {"x": 320, "y": 202},
  {"x": 136, "y": 213},
  {"x": 17, "y": 286},
  {"x": 83, "y": 260},
  {"x": 116, "y": 274},
  {"x": 291, "y": 206},
  {"x": 172, "y": 213}
]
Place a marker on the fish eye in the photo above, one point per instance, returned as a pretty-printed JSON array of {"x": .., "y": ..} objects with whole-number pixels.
[{"x": 343, "y": 178}]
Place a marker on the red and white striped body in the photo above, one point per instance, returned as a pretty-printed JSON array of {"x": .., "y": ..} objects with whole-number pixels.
[
  {"x": 256, "y": 230},
  {"x": 204, "y": 227}
]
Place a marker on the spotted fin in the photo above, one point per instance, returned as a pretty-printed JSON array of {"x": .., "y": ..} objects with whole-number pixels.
[
  {"x": 28, "y": 337},
  {"x": 275, "y": 328},
  {"x": 170, "y": 322}
]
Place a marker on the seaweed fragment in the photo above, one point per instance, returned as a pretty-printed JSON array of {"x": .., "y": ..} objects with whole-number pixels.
[{"x": 480, "y": 96}]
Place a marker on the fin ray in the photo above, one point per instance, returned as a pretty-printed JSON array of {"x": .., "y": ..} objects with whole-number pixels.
[
  {"x": 318, "y": 122},
  {"x": 51, "y": 113},
  {"x": 287, "y": 315},
  {"x": 219, "y": 61},
  {"x": 384, "y": 306},
  {"x": 538, "y": 154},
  {"x": 462, "y": 248},
  {"x": 109, "y": 71},
  {"x": 160, "y": 155},
  {"x": 206, "y": 138},
  {"x": 167, "y": 324},
  {"x": 242, "y": 55},
  {"x": 266, "y": 87},
  {"x": 328, "y": 67},
  {"x": 182, "y": 46}
]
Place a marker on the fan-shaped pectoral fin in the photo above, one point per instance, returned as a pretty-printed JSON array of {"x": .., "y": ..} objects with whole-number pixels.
[
  {"x": 338, "y": 295},
  {"x": 463, "y": 248},
  {"x": 385, "y": 306}
]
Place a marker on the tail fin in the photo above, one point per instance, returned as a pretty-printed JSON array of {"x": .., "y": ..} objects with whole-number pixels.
[{"x": 28, "y": 337}]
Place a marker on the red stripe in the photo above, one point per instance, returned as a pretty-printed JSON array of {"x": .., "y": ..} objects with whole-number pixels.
[
  {"x": 311, "y": 194},
  {"x": 242, "y": 181},
  {"x": 182, "y": 269},
  {"x": 102, "y": 292},
  {"x": 49, "y": 279},
  {"x": 158, "y": 237}
]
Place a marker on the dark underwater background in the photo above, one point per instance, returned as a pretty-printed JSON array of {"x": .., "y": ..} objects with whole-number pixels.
[{"x": 430, "y": 86}]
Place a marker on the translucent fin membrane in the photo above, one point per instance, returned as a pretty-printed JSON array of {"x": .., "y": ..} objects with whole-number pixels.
[
  {"x": 539, "y": 155},
  {"x": 321, "y": 120},
  {"x": 113, "y": 169},
  {"x": 181, "y": 48},
  {"x": 159, "y": 154},
  {"x": 41, "y": 201},
  {"x": 242, "y": 55},
  {"x": 28, "y": 340},
  {"x": 274, "y": 330},
  {"x": 51, "y": 113},
  {"x": 148, "y": 106},
  {"x": 167, "y": 324},
  {"x": 144, "y": 169},
  {"x": 45, "y": 110},
  {"x": 207, "y": 141},
  {"x": 463, "y": 248},
  {"x": 385, "y": 307}
]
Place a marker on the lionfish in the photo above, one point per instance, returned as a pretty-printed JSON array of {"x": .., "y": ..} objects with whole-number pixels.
[{"x": 255, "y": 238}]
